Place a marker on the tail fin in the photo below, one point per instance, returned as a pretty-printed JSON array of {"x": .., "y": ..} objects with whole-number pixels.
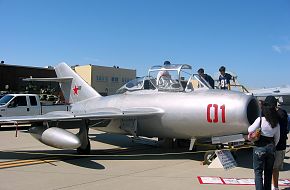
[{"x": 74, "y": 90}]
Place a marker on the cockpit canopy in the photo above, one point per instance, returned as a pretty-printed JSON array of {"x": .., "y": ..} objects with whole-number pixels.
[
  {"x": 170, "y": 77},
  {"x": 174, "y": 78},
  {"x": 142, "y": 83}
]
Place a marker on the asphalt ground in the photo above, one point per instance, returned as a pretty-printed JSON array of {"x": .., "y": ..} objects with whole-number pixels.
[{"x": 114, "y": 163}]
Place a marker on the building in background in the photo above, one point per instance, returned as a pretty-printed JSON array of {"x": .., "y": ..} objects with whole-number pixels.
[
  {"x": 11, "y": 79},
  {"x": 105, "y": 80}
]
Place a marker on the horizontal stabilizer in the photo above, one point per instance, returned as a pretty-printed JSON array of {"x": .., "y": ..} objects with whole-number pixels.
[{"x": 61, "y": 80}]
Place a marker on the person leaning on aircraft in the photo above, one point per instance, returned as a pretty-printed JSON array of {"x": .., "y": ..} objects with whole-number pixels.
[
  {"x": 206, "y": 77},
  {"x": 225, "y": 79}
]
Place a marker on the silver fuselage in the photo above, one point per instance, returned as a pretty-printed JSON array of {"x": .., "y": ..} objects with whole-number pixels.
[{"x": 201, "y": 113}]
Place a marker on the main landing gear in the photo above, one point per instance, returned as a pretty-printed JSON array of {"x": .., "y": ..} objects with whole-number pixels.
[{"x": 83, "y": 134}]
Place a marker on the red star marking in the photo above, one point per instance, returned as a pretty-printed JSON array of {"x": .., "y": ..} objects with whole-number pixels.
[{"x": 76, "y": 89}]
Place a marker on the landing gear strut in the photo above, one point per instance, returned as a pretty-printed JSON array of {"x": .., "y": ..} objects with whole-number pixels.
[
  {"x": 83, "y": 134},
  {"x": 86, "y": 150}
]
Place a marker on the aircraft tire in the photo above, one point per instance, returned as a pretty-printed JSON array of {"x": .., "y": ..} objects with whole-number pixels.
[
  {"x": 86, "y": 150},
  {"x": 209, "y": 156}
]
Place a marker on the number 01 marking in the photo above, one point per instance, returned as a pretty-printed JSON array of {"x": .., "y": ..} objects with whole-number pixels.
[{"x": 215, "y": 108}]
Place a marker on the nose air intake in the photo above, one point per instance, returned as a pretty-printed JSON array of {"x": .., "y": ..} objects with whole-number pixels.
[{"x": 253, "y": 111}]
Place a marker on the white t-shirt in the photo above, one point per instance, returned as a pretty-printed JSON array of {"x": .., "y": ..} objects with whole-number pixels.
[
  {"x": 162, "y": 74},
  {"x": 266, "y": 129}
]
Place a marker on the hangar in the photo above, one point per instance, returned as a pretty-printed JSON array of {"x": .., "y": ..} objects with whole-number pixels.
[
  {"x": 11, "y": 78},
  {"x": 105, "y": 80}
]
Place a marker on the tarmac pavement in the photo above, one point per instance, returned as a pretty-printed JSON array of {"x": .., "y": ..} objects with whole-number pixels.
[{"x": 115, "y": 163}]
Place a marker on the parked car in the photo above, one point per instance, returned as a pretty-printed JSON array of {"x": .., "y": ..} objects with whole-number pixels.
[{"x": 26, "y": 104}]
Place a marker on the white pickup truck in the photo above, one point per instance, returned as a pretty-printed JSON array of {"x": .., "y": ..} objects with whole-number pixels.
[{"x": 26, "y": 104}]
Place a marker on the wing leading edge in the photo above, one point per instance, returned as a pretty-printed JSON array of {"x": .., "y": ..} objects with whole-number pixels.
[{"x": 106, "y": 113}]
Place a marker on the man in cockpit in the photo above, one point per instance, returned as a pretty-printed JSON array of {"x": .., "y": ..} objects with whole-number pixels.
[{"x": 163, "y": 75}]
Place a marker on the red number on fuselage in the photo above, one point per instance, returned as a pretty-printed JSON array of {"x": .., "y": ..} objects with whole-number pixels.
[
  {"x": 208, "y": 113},
  {"x": 223, "y": 108},
  {"x": 215, "y": 109}
]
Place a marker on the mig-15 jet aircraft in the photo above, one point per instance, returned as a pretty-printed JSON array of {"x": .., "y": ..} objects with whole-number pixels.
[{"x": 169, "y": 103}]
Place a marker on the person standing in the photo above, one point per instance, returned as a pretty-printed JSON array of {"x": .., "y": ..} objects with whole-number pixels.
[
  {"x": 264, "y": 149},
  {"x": 281, "y": 146},
  {"x": 206, "y": 77},
  {"x": 225, "y": 79}
]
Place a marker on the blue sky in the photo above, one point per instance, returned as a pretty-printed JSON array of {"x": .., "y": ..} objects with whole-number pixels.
[{"x": 250, "y": 38}]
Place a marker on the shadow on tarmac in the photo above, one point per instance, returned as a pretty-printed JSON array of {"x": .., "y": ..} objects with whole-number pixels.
[
  {"x": 245, "y": 160},
  {"x": 49, "y": 156},
  {"x": 243, "y": 157},
  {"x": 90, "y": 161},
  {"x": 128, "y": 151}
]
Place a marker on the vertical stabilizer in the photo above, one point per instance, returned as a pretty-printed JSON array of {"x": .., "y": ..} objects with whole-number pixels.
[{"x": 74, "y": 90}]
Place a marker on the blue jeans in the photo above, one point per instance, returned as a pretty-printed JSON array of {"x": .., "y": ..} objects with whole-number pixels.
[{"x": 263, "y": 160}]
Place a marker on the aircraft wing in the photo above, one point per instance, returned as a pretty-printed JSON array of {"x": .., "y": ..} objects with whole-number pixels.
[
  {"x": 106, "y": 113},
  {"x": 278, "y": 91}
]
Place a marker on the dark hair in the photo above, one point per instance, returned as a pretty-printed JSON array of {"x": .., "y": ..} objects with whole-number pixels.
[
  {"x": 222, "y": 68},
  {"x": 270, "y": 114},
  {"x": 201, "y": 70},
  {"x": 166, "y": 63},
  {"x": 271, "y": 100}
]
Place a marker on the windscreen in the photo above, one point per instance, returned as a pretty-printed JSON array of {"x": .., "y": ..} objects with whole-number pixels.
[
  {"x": 142, "y": 83},
  {"x": 5, "y": 99}
]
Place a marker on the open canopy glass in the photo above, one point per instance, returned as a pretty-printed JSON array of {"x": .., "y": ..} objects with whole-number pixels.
[{"x": 174, "y": 78}]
